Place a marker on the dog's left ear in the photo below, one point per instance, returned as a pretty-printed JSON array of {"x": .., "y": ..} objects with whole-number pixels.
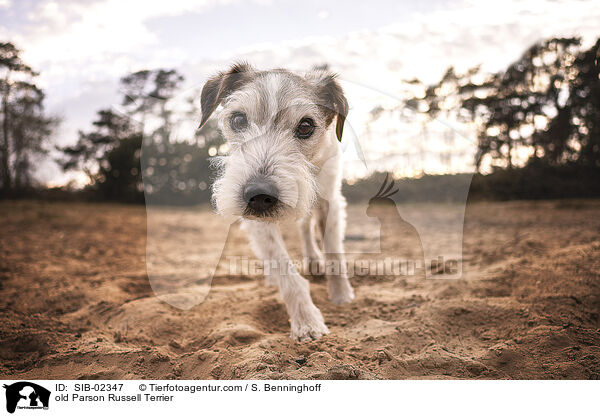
[
  {"x": 220, "y": 86},
  {"x": 332, "y": 97}
]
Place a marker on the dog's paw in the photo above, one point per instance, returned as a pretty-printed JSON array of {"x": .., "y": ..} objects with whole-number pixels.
[
  {"x": 340, "y": 290},
  {"x": 309, "y": 333},
  {"x": 309, "y": 325}
]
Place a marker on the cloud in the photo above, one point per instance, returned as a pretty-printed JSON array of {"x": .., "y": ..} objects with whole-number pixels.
[{"x": 72, "y": 33}]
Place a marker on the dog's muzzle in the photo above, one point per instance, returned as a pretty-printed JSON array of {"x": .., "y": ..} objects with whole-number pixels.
[{"x": 260, "y": 197}]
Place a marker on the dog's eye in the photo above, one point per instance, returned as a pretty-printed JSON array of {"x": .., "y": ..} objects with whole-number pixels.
[
  {"x": 305, "y": 128},
  {"x": 239, "y": 121}
]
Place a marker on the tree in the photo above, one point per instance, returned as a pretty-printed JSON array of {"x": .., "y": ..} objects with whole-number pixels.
[
  {"x": 29, "y": 128},
  {"x": 438, "y": 102},
  {"x": 165, "y": 86},
  {"x": 25, "y": 127},
  {"x": 145, "y": 92},
  {"x": 524, "y": 106},
  {"x": 111, "y": 153},
  {"x": 119, "y": 177},
  {"x": 584, "y": 107},
  {"x": 543, "y": 108},
  {"x": 90, "y": 153}
]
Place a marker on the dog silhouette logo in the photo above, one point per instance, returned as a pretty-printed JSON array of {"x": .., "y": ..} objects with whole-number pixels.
[{"x": 26, "y": 395}]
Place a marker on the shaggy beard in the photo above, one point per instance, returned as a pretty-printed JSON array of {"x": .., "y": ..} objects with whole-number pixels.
[{"x": 277, "y": 162}]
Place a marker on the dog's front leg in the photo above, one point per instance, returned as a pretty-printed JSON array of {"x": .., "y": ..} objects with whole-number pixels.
[
  {"x": 333, "y": 212},
  {"x": 306, "y": 320},
  {"x": 314, "y": 259}
]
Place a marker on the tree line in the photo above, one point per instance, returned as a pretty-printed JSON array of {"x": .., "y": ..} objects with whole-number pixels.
[
  {"x": 133, "y": 149},
  {"x": 25, "y": 128},
  {"x": 543, "y": 109},
  {"x": 539, "y": 118}
]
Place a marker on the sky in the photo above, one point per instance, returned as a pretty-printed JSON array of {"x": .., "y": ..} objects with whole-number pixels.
[{"x": 82, "y": 48}]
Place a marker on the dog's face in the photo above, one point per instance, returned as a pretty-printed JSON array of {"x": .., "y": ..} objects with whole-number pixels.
[{"x": 277, "y": 124}]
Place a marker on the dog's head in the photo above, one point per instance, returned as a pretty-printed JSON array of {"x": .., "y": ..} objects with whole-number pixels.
[{"x": 279, "y": 127}]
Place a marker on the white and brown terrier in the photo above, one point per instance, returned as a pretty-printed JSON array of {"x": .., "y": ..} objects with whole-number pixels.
[{"x": 284, "y": 162}]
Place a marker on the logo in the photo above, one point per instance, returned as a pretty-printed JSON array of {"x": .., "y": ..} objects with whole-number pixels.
[{"x": 26, "y": 395}]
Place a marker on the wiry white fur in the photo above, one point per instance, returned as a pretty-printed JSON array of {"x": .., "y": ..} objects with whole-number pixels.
[
  {"x": 276, "y": 158},
  {"x": 307, "y": 174},
  {"x": 306, "y": 320}
]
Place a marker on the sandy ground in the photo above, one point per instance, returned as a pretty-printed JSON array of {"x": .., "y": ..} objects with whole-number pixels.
[{"x": 76, "y": 303}]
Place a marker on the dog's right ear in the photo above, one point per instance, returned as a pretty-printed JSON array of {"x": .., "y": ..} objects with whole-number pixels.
[{"x": 220, "y": 86}]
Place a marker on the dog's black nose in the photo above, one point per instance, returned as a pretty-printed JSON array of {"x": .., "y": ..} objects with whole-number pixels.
[{"x": 260, "y": 197}]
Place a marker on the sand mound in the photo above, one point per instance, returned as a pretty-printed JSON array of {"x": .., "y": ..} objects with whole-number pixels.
[{"x": 76, "y": 303}]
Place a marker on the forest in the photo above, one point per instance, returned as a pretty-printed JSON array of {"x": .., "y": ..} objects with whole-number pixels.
[{"x": 545, "y": 105}]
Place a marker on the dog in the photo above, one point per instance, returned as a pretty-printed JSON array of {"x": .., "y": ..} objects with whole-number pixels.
[{"x": 284, "y": 162}]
